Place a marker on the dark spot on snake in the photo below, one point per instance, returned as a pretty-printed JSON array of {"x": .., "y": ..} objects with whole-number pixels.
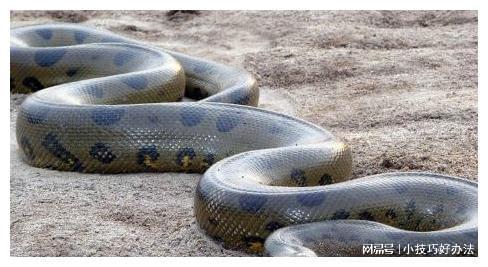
[
  {"x": 273, "y": 226},
  {"x": 196, "y": 93},
  {"x": 72, "y": 72},
  {"x": 226, "y": 123},
  {"x": 209, "y": 159},
  {"x": 46, "y": 34},
  {"x": 311, "y": 199},
  {"x": 80, "y": 36},
  {"x": 219, "y": 240},
  {"x": 252, "y": 203},
  {"x": 26, "y": 147},
  {"x": 78, "y": 167},
  {"x": 185, "y": 152},
  {"x": 366, "y": 215},
  {"x": 325, "y": 179},
  {"x": 102, "y": 153},
  {"x": 94, "y": 90},
  {"x": 340, "y": 215},
  {"x": 213, "y": 221},
  {"x": 122, "y": 57},
  {"x": 147, "y": 152},
  {"x": 191, "y": 116},
  {"x": 298, "y": 176},
  {"x": 240, "y": 97},
  {"x": 135, "y": 82},
  {"x": 391, "y": 214},
  {"x": 32, "y": 83},
  {"x": 47, "y": 58},
  {"x": 105, "y": 116},
  {"x": 52, "y": 144}
]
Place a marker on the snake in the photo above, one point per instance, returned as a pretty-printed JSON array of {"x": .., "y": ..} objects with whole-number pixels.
[{"x": 272, "y": 184}]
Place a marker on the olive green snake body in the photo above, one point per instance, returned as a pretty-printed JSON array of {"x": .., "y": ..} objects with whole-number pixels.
[{"x": 271, "y": 182}]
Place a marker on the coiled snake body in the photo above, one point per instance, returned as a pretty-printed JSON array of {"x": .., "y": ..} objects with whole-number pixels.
[{"x": 102, "y": 112}]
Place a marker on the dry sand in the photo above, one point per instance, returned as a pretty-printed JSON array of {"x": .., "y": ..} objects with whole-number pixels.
[{"x": 399, "y": 87}]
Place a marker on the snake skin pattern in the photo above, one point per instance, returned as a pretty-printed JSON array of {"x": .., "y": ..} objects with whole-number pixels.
[{"x": 102, "y": 111}]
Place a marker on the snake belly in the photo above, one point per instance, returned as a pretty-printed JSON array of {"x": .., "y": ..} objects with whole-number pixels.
[{"x": 103, "y": 103}]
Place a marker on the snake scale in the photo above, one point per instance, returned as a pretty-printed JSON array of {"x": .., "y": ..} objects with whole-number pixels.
[{"x": 271, "y": 183}]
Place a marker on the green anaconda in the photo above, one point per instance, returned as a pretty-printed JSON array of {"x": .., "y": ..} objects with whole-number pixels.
[{"x": 271, "y": 183}]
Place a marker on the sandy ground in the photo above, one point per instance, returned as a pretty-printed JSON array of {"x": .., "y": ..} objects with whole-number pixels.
[{"x": 399, "y": 87}]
